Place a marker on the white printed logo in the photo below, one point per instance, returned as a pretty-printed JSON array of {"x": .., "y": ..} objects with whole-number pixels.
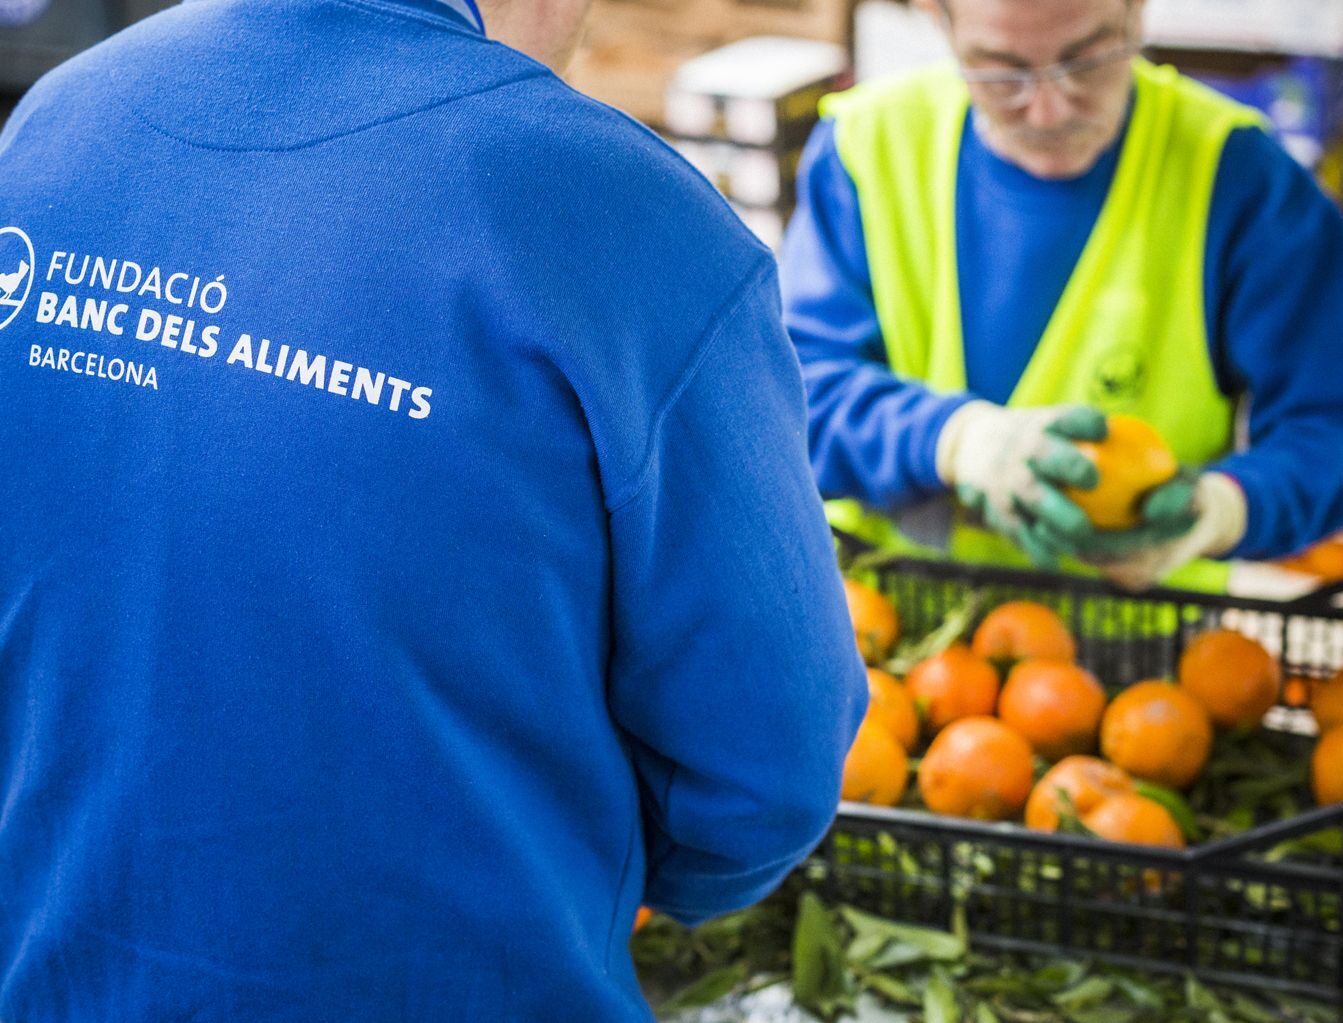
[{"x": 16, "y": 273}]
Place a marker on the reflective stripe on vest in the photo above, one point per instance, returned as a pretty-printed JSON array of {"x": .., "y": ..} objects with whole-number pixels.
[{"x": 1129, "y": 333}]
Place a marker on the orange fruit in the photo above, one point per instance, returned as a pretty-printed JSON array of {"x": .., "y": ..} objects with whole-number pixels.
[
  {"x": 1296, "y": 690},
  {"x": 1325, "y": 559},
  {"x": 1129, "y": 817},
  {"x": 952, "y": 685},
  {"x": 1056, "y": 705},
  {"x": 890, "y": 704},
  {"x": 1020, "y": 629},
  {"x": 641, "y": 917},
  {"x": 1157, "y": 731},
  {"x": 1235, "y": 678},
  {"x": 976, "y": 767},
  {"x": 1075, "y": 785},
  {"x": 1326, "y": 768},
  {"x": 1296, "y": 563},
  {"x": 876, "y": 623},
  {"x": 877, "y": 767},
  {"x": 1131, "y": 460},
  {"x": 1326, "y": 703}
]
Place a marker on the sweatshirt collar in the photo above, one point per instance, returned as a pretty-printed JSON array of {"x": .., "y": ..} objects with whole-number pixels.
[{"x": 467, "y": 11}]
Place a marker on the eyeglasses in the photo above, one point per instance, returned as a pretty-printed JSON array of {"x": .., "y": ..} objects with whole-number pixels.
[{"x": 1014, "y": 89}]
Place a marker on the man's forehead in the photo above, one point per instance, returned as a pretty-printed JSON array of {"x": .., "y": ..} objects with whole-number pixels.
[{"x": 1034, "y": 27}]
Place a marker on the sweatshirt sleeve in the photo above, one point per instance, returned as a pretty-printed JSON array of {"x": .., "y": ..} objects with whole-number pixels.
[
  {"x": 734, "y": 671},
  {"x": 872, "y": 435},
  {"x": 1275, "y": 289}
]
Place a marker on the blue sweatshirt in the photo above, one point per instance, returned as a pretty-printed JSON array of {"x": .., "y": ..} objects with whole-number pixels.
[
  {"x": 1273, "y": 291},
  {"x": 398, "y": 585}
]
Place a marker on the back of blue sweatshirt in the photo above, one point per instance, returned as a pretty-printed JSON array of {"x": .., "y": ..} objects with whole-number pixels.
[{"x": 409, "y": 560}]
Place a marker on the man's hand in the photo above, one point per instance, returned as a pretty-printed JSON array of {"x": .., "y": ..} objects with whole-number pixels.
[
  {"x": 1193, "y": 516},
  {"x": 1008, "y": 465}
]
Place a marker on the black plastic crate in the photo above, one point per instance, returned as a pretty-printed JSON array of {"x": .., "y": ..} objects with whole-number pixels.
[{"x": 1222, "y": 910}]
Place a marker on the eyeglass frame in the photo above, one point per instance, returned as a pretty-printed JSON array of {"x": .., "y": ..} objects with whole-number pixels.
[{"x": 1030, "y": 79}]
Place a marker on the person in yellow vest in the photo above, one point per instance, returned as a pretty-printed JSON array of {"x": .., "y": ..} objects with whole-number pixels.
[{"x": 991, "y": 255}]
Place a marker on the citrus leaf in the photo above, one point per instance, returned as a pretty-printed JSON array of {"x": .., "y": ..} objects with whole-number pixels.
[
  {"x": 818, "y": 955},
  {"x": 1175, "y": 805},
  {"x": 1090, "y": 992},
  {"x": 1140, "y": 994},
  {"x": 938, "y": 946},
  {"x": 955, "y": 624},
  {"x": 939, "y": 1002},
  {"x": 1250, "y": 1011},
  {"x": 707, "y": 990},
  {"x": 1058, "y": 976},
  {"x": 890, "y": 988},
  {"x": 1104, "y": 1014}
]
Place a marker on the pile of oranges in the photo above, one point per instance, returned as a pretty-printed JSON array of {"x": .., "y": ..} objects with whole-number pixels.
[{"x": 1013, "y": 702}]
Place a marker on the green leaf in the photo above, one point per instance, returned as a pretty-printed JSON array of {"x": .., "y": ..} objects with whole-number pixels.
[
  {"x": 869, "y": 1009},
  {"x": 1091, "y": 991},
  {"x": 890, "y": 988},
  {"x": 1176, "y": 805},
  {"x": 707, "y": 989},
  {"x": 1105, "y": 1014},
  {"x": 983, "y": 1014},
  {"x": 1058, "y": 976},
  {"x": 938, "y": 946},
  {"x": 1142, "y": 995},
  {"x": 818, "y": 955},
  {"x": 954, "y": 625},
  {"x": 898, "y": 953},
  {"x": 1251, "y": 1011},
  {"x": 865, "y": 946},
  {"x": 1204, "y": 1001},
  {"x": 939, "y": 1002}
]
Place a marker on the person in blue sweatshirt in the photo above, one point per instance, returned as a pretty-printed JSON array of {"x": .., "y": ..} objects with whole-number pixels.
[
  {"x": 397, "y": 585},
  {"x": 989, "y": 254}
]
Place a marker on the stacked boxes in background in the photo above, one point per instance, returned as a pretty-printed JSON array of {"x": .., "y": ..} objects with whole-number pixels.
[
  {"x": 741, "y": 115},
  {"x": 634, "y": 47}
]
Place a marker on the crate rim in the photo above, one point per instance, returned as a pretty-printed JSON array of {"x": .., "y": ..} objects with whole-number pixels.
[
  {"x": 1189, "y": 859},
  {"x": 1316, "y": 604}
]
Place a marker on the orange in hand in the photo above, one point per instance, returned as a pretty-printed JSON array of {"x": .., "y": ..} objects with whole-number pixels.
[{"x": 1132, "y": 460}]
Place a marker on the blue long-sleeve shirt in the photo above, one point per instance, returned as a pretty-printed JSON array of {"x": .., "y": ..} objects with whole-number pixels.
[
  {"x": 1273, "y": 291},
  {"x": 398, "y": 585}
]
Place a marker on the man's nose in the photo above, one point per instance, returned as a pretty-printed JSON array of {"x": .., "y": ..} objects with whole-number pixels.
[{"x": 1049, "y": 106}]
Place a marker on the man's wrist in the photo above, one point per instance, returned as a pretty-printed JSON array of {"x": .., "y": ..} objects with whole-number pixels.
[
  {"x": 953, "y": 434},
  {"x": 1221, "y": 501}
]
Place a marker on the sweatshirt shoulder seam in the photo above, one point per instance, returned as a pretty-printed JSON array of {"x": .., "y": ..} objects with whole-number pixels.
[
  {"x": 721, "y": 317},
  {"x": 331, "y": 136}
]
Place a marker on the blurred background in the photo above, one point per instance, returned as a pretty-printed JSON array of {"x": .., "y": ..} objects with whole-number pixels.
[{"x": 741, "y": 114}]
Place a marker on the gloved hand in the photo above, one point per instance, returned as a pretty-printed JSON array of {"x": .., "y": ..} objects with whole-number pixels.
[
  {"x": 1192, "y": 516},
  {"x": 1007, "y": 466}
]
